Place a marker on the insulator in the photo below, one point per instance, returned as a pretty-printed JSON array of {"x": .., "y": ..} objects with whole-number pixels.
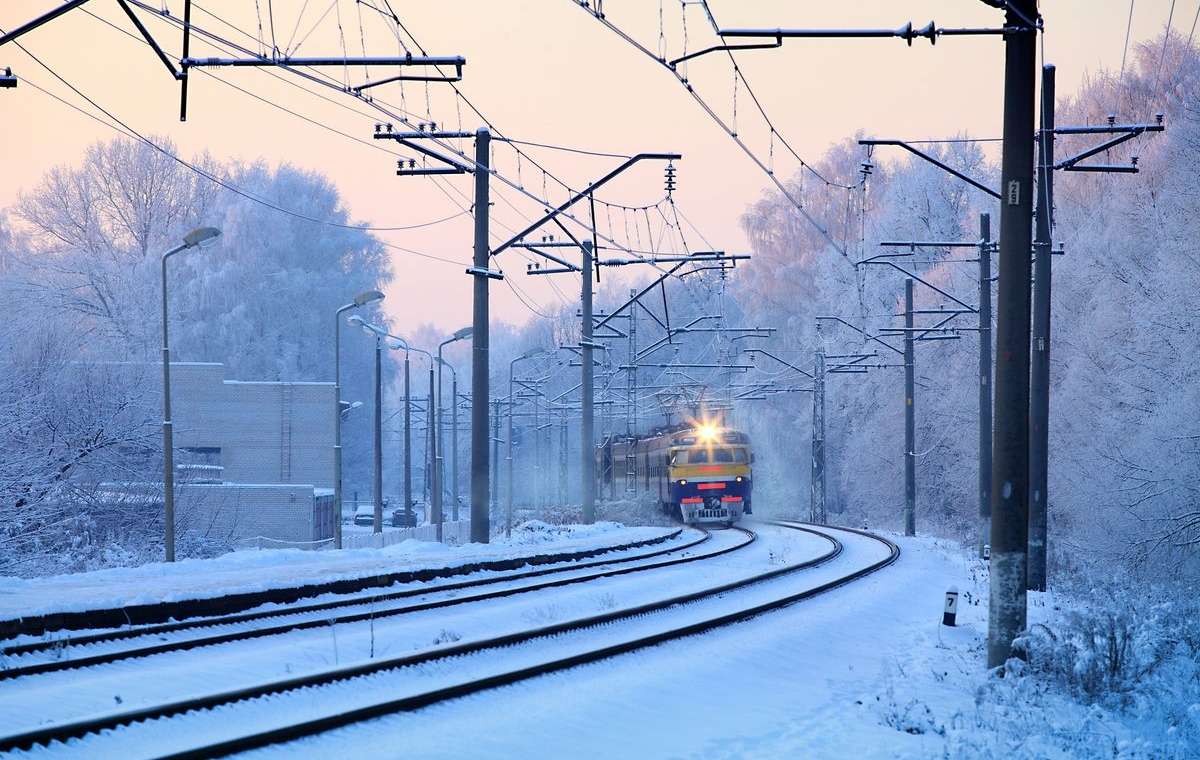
[
  {"x": 378, "y": 127},
  {"x": 389, "y": 126}
]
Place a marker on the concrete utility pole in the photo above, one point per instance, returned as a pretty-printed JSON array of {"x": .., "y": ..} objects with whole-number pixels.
[
  {"x": 1010, "y": 468},
  {"x": 431, "y": 449},
  {"x": 985, "y": 380},
  {"x": 910, "y": 418},
  {"x": 1039, "y": 386},
  {"x": 587, "y": 472},
  {"x": 481, "y": 530},
  {"x": 454, "y": 445},
  {"x": 495, "y": 491},
  {"x": 563, "y": 445},
  {"x": 408, "y": 513},
  {"x": 377, "y": 479},
  {"x": 818, "y": 514}
]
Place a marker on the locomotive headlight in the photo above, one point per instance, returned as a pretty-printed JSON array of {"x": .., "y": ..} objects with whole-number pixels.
[
  {"x": 683, "y": 482},
  {"x": 739, "y": 478}
]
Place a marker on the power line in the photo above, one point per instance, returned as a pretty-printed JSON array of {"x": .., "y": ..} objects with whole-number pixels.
[
  {"x": 783, "y": 189},
  {"x": 134, "y": 134}
]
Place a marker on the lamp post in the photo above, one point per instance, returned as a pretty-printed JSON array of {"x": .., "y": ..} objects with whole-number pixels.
[
  {"x": 402, "y": 344},
  {"x": 197, "y": 238},
  {"x": 438, "y": 475},
  {"x": 453, "y": 437},
  {"x": 508, "y": 515},
  {"x": 397, "y": 343},
  {"x": 362, "y": 299}
]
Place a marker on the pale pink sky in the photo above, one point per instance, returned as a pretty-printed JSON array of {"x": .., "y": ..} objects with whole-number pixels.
[{"x": 545, "y": 71}]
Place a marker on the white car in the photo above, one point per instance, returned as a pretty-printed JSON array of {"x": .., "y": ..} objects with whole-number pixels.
[{"x": 364, "y": 514}]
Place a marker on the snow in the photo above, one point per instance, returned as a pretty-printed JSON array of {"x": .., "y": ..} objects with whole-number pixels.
[
  {"x": 256, "y": 570},
  {"x": 864, "y": 671}
]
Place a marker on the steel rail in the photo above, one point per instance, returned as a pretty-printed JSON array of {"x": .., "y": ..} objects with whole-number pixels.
[
  {"x": 122, "y": 634},
  {"x": 80, "y": 728},
  {"x": 309, "y": 728},
  {"x": 197, "y": 609},
  {"x": 374, "y": 614}
]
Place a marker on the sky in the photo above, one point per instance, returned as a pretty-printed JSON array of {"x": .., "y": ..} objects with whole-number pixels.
[{"x": 541, "y": 71}]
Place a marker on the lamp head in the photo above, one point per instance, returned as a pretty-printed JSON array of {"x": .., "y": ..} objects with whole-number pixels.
[
  {"x": 466, "y": 332},
  {"x": 201, "y": 237},
  {"x": 357, "y": 321},
  {"x": 367, "y": 296}
]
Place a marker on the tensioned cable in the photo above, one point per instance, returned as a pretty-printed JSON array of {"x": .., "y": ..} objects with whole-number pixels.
[
  {"x": 1124, "y": 52},
  {"x": 720, "y": 122},
  {"x": 463, "y": 210},
  {"x": 1163, "y": 54},
  {"x": 384, "y": 108},
  {"x": 372, "y": 144},
  {"x": 133, "y": 133}
]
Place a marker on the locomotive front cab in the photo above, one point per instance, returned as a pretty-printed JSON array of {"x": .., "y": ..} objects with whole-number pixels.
[{"x": 710, "y": 476}]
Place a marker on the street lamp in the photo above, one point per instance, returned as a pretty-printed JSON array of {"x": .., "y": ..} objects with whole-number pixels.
[
  {"x": 362, "y": 299},
  {"x": 511, "y": 404},
  {"x": 438, "y": 475},
  {"x": 400, "y": 344},
  {"x": 396, "y": 343},
  {"x": 201, "y": 237}
]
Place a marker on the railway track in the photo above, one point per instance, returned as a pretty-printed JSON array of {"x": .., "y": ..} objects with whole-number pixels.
[
  {"x": 121, "y": 618},
  {"x": 59, "y": 645},
  {"x": 612, "y": 568},
  {"x": 308, "y": 727}
]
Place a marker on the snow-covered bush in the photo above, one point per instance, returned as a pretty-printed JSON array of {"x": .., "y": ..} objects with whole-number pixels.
[{"x": 1121, "y": 650}]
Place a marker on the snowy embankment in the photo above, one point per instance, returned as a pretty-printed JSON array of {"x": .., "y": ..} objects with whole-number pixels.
[{"x": 258, "y": 570}]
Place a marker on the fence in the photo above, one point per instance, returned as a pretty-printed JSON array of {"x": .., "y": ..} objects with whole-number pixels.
[{"x": 456, "y": 532}]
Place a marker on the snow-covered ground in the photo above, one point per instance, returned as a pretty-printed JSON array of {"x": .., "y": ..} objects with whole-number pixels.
[
  {"x": 259, "y": 569},
  {"x": 866, "y": 670}
]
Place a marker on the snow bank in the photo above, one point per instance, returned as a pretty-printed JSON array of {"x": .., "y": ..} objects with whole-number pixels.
[{"x": 257, "y": 570}]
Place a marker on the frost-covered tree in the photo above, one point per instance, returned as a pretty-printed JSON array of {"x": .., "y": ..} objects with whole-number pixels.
[{"x": 79, "y": 269}]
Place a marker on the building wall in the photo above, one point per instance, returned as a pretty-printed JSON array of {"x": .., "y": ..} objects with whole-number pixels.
[
  {"x": 267, "y": 432},
  {"x": 244, "y": 512}
]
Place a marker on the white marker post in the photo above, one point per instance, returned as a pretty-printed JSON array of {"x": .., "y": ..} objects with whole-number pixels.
[{"x": 951, "y": 612}]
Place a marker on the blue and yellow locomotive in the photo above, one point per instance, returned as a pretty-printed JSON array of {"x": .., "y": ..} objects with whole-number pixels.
[{"x": 700, "y": 474}]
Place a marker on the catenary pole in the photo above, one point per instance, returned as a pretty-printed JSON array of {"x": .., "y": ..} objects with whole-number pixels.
[
  {"x": 408, "y": 513},
  {"x": 587, "y": 473},
  {"x": 910, "y": 421},
  {"x": 818, "y": 441},
  {"x": 1039, "y": 387},
  {"x": 430, "y": 447},
  {"x": 454, "y": 445},
  {"x": 495, "y": 491},
  {"x": 480, "y": 487},
  {"x": 377, "y": 478},
  {"x": 985, "y": 380},
  {"x": 1010, "y": 466},
  {"x": 438, "y": 454}
]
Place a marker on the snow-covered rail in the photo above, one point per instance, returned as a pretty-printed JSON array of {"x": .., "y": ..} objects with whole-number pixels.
[
  {"x": 60, "y": 657},
  {"x": 232, "y": 603},
  {"x": 363, "y": 680}
]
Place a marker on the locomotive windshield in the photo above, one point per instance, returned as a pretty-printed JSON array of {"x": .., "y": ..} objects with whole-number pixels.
[{"x": 705, "y": 455}]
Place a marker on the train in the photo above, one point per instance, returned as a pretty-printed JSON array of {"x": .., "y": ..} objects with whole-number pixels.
[{"x": 701, "y": 473}]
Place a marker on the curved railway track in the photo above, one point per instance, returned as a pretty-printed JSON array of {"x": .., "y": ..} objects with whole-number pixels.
[
  {"x": 205, "y": 621},
  {"x": 299, "y": 729},
  {"x": 121, "y": 618},
  {"x": 58, "y": 665}
]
